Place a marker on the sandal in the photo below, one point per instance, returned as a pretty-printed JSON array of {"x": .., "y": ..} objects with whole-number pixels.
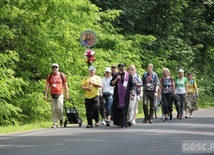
[
  {"x": 54, "y": 126},
  {"x": 97, "y": 124}
]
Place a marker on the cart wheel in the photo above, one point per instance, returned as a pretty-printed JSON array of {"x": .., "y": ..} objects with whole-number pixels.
[{"x": 65, "y": 123}]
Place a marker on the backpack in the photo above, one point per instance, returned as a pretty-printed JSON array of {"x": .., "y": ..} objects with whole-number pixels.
[
  {"x": 138, "y": 90},
  {"x": 61, "y": 75},
  {"x": 192, "y": 82},
  {"x": 153, "y": 76},
  {"x": 162, "y": 81}
]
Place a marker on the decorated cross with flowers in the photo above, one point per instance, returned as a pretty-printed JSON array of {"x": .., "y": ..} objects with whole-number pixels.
[
  {"x": 88, "y": 39},
  {"x": 90, "y": 55}
]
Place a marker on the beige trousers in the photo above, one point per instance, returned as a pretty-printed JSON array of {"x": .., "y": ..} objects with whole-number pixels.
[
  {"x": 132, "y": 109},
  {"x": 57, "y": 108}
]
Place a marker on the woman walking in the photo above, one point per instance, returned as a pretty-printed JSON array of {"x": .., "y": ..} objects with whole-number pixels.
[
  {"x": 166, "y": 89},
  {"x": 181, "y": 89},
  {"x": 191, "y": 104}
]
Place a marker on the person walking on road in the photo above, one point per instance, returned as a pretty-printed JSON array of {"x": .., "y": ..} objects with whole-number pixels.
[
  {"x": 91, "y": 85},
  {"x": 123, "y": 91},
  {"x": 132, "y": 110},
  {"x": 166, "y": 89},
  {"x": 191, "y": 104},
  {"x": 108, "y": 92},
  {"x": 181, "y": 89},
  {"x": 56, "y": 82},
  {"x": 150, "y": 91}
]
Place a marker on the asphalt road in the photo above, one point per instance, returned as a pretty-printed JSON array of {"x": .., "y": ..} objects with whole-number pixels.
[{"x": 160, "y": 138}]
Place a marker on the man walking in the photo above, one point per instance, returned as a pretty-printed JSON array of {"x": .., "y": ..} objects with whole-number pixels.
[
  {"x": 56, "y": 81},
  {"x": 150, "y": 91},
  {"x": 123, "y": 92}
]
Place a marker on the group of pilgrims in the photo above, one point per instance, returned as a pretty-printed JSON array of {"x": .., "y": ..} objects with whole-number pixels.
[{"x": 116, "y": 96}]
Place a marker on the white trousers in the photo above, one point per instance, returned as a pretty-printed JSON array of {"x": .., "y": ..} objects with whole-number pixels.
[
  {"x": 57, "y": 108},
  {"x": 132, "y": 109}
]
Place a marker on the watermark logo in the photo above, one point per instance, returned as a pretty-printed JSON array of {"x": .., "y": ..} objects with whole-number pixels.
[{"x": 198, "y": 146}]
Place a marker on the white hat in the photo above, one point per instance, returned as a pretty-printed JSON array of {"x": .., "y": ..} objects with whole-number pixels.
[
  {"x": 92, "y": 68},
  {"x": 181, "y": 70},
  {"x": 108, "y": 69},
  {"x": 55, "y": 64}
]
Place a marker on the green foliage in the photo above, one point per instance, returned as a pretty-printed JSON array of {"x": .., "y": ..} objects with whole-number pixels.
[
  {"x": 36, "y": 33},
  {"x": 184, "y": 32},
  {"x": 10, "y": 86},
  {"x": 9, "y": 114}
]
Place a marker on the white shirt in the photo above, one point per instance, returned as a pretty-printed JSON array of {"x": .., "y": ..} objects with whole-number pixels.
[{"x": 106, "y": 85}]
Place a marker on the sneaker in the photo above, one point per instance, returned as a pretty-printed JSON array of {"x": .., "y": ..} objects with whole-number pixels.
[
  {"x": 162, "y": 117},
  {"x": 151, "y": 121},
  {"x": 190, "y": 116},
  {"x": 145, "y": 120},
  {"x": 61, "y": 122},
  {"x": 129, "y": 124},
  {"x": 103, "y": 122},
  {"x": 180, "y": 117},
  {"x": 97, "y": 124},
  {"x": 108, "y": 123},
  {"x": 186, "y": 116},
  {"x": 89, "y": 126},
  {"x": 54, "y": 126},
  {"x": 166, "y": 118}
]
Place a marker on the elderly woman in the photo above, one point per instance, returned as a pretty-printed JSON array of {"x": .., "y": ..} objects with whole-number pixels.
[
  {"x": 166, "y": 88},
  {"x": 181, "y": 88},
  {"x": 191, "y": 104}
]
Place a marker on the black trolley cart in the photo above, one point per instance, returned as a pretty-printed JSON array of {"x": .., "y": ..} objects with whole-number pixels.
[{"x": 72, "y": 116}]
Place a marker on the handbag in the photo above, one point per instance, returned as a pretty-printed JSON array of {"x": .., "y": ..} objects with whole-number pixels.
[
  {"x": 138, "y": 90},
  {"x": 175, "y": 97}
]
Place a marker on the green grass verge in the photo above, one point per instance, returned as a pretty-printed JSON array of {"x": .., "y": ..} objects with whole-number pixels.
[{"x": 22, "y": 128}]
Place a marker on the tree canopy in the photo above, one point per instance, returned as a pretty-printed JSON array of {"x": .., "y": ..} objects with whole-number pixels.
[{"x": 36, "y": 33}]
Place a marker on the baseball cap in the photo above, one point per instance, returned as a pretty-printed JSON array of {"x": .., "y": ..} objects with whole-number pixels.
[
  {"x": 121, "y": 65},
  {"x": 92, "y": 68},
  {"x": 181, "y": 71},
  {"x": 55, "y": 65},
  {"x": 108, "y": 69}
]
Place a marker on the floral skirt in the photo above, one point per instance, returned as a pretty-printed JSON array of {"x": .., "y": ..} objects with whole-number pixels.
[{"x": 190, "y": 102}]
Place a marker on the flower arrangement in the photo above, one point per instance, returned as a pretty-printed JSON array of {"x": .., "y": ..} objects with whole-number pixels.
[{"x": 90, "y": 56}]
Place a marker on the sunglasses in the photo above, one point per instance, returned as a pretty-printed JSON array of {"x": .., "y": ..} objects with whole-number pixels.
[{"x": 54, "y": 67}]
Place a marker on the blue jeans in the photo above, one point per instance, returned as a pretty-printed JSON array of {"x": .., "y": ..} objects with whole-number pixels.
[{"x": 108, "y": 98}]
